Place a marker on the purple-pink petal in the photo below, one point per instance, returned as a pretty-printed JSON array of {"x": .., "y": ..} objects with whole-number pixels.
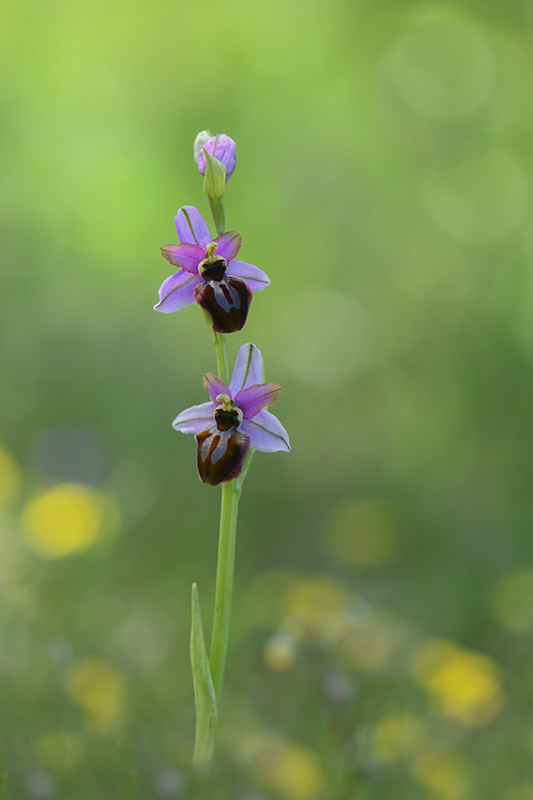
[
  {"x": 248, "y": 369},
  {"x": 229, "y": 244},
  {"x": 223, "y": 149},
  {"x": 195, "y": 418},
  {"x": 192, "y": 227},
  {"x": 254, "y": 398},
  {"x": 186, "y": 256},
  {"x": 177, "y": 292},
  {"x": 254, "y": 277},
  {"x": 215, "y": 386},
  {"x": 266, "y": 433}
]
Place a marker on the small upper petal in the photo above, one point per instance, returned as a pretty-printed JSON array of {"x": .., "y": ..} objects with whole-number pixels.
[
  {"x": 254, "y": 277},
  {"x": 248, "y": 369},
  {"x": 254, "y": 398},
  {"x": 195, "y": 418},
  {"x": 266, "y": 433},
  {"x": 177, "y": 292},
  {"x": 186, "y": 256},
  {"x": 229, "y": 244},
  {"x": 215, "y": 386},
  {"x": 192, "y": 227}
]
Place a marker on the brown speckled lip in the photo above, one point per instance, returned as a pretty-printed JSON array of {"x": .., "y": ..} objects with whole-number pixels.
[
  {"x": 221, "y": 452},
  {"x": 227, "y": 302}
]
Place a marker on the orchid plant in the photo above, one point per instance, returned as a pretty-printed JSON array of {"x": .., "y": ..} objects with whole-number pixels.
[{"x": 235, "y": 421}]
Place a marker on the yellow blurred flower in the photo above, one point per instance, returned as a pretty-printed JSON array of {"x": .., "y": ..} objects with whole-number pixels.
[
  {"x": 68, "y": 518},
  {"x": 444, "y": 776},
  {"x": 464, "y": 685},
  {"x": 9, "y": 478},
  {"x": 280, "y": 651},
  {"x": 315, "y": 602},
  {"x": 98, "y": 688},
  {"x": 291, "y": 771},
  {"x": 58, "y": 750},
  {"x": 362, "y": 532},
  {"x": 513, "y": 600},
  {"x": 399, "y": 736}
]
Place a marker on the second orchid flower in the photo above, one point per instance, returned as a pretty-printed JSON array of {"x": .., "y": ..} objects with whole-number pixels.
[
  {"x": 234, "y": 420},
  {"x": 209, "y": 274}
]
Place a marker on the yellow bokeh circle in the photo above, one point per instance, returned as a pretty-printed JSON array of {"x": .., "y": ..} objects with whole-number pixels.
[
  {"x": 65, "y": 519},
  {"x": 290, "y": 771},
  {"x": 464, "y": 685},
  {"x": 98, "y": 687},
  {"x": 58, "y": 750}
]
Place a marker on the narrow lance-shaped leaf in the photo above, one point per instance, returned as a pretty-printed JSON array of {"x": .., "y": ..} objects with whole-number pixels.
[
  {"x": 214, "y": 185},
  {"x": 204, "y": 693}
]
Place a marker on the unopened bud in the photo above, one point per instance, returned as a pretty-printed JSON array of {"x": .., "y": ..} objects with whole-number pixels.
[
  {"x": 201, "y": 141},
  {"x": 220, "y": 147}
]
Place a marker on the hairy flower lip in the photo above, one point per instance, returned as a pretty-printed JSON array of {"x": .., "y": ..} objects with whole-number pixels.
[
  {"x": 177, "y": 291},
  {"x": 262, "y": 430},
  {"x": 227, "y": 300}
]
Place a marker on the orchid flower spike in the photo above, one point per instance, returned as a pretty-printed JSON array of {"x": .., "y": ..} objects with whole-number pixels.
[
  {"x": 222, "y": 148},
  {"x": 234, "y": 420},
  {"x": 209, "y": 274}
]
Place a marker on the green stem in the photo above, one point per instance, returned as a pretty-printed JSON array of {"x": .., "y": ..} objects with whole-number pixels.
[
  {"x": 209, "y": 679},
  {"x": 222, "y": 356},
  {"x": 216, "y": 204},
  {"x": 224, "y": 587}
]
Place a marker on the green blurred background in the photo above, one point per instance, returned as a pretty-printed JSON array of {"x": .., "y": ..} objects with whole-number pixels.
[{"x": 382, "y": 640}]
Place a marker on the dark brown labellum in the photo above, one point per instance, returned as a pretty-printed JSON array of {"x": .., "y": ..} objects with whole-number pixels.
[
  {"x": 221, "y": 451},
  {"x": 226, "y": 301}
]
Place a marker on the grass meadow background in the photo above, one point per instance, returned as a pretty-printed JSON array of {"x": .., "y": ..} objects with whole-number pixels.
[{"x": 382, "y": 640}]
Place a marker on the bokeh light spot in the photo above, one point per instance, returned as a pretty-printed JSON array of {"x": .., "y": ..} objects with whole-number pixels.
[
  {"x": 280, "y": 651},
  {"x": 442, "y": 71},
  {"x": 66, "y": 519},
  {"x": 291, "y": 771},
  {"x": 312, "y": 602},
  {"x": 443, "y": 775},
  {"x": 9, "y": 478},
  {"x": 479, "y": 197},
  {"x": 464, "y": 685},
  {"x": 58, "y": 750},
  {"x": 362, "y": 532},
  {"x": 513, "y": 601},
  {"x": 98, "y": 688},
  {"x": 398, "y": 736}
]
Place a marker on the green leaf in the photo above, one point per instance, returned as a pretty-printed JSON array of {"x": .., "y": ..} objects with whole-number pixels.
[
  {"x": 215, "y": 176},
  {"x": 214, "y": 185},
  {"x": 130, "y": 780},
  {"x": 204, "y": 693}
]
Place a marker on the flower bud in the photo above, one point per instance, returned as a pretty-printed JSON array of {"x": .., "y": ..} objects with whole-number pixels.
[
  {"x": 201, "y": 141},
  {"x": 220, "y": 147}
]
